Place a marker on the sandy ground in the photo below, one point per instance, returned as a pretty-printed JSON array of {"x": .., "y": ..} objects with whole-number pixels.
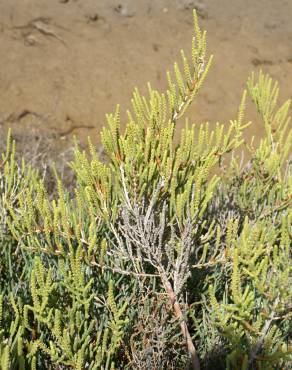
[{"x": 65, "y": 63}]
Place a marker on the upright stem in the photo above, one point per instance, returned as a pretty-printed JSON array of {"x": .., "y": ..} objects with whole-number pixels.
[{"x": 195, "y": 364}]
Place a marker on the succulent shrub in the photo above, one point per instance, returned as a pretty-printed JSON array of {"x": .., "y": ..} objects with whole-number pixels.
[{"x": 168, "y": 255}]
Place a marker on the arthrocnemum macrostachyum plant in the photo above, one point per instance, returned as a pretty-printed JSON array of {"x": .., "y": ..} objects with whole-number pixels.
[
  {"x": 161, "y": 191},
  {"x": 156, "y": 218}
]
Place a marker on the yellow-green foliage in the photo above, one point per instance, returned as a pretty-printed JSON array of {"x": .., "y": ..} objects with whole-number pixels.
[
  {"x": 161, "y": 231},
  {"x": 258, "y": 296}
]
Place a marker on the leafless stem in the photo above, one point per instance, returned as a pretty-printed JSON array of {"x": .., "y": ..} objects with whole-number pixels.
[
  {"x": 194, "y": 360},
  {"x": 123, "y": 272},
  {"x": 125, "y": 188}
]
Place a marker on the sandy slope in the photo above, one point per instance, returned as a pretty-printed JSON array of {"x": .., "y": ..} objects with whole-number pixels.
[{"x": 65, "y": 63}]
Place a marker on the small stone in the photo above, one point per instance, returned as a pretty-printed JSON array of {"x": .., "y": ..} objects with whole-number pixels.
[
  {"x": 30, "y": 40},
  {"x": 92, "y": 18},
  {"x": 123, "y": 11}
]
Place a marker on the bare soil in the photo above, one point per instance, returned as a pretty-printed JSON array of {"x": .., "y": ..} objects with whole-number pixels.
[{"x": 66, "y": 63}]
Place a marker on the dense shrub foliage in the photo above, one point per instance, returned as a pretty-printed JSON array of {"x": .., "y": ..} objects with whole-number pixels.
[{"x": 167, "y": 256}]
